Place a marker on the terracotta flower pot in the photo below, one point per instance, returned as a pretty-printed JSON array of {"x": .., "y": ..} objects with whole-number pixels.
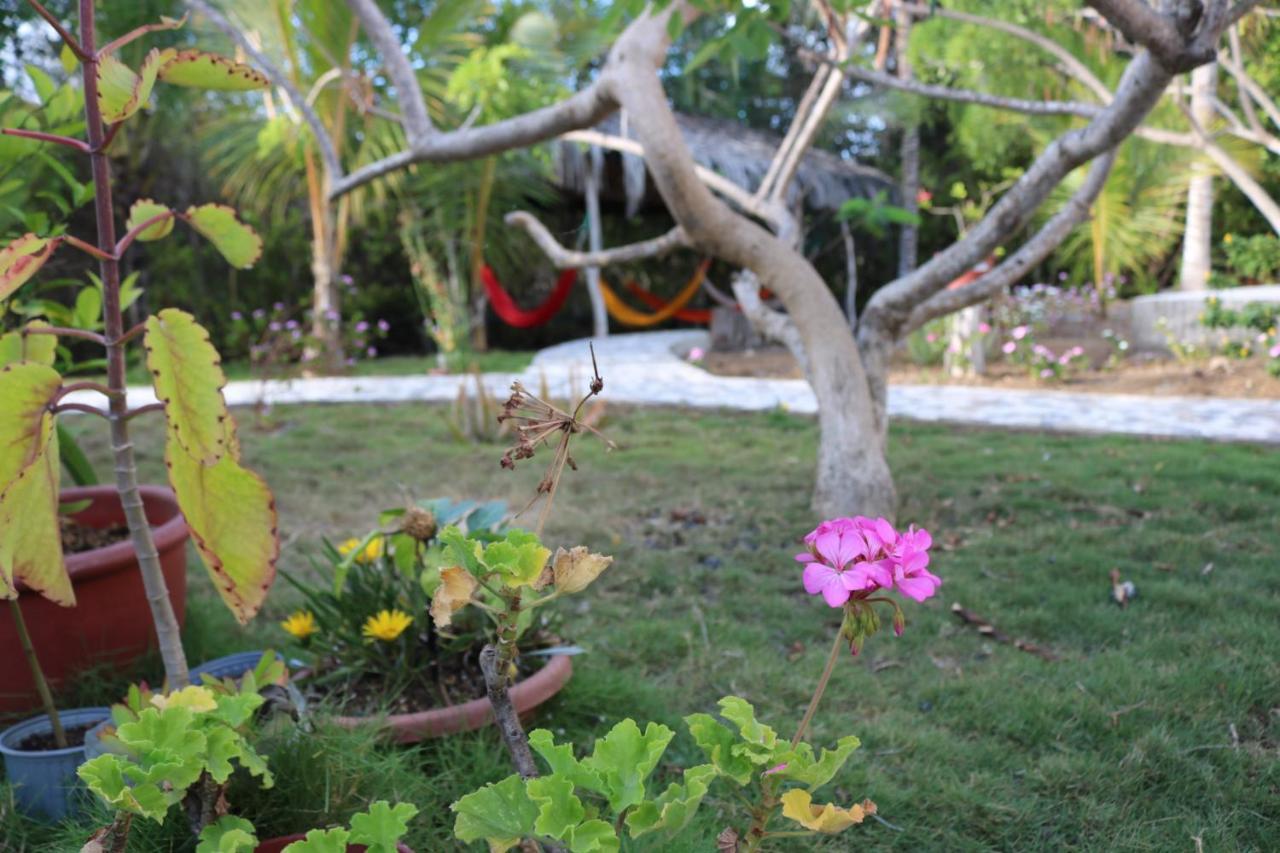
[
  {"x": 111, "y": 622},
  {"x": 469, "y": 716},
  {"x": 275, "y": 845}
]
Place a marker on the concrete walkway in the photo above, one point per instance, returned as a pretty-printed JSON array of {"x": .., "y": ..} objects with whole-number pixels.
[{"x": 648, "y": 368}]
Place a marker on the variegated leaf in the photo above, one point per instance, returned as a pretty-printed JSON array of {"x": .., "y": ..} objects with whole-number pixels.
[
  {"x": 121, "y": 90},
  {"x": 237, "y": 242},
  {"x": 21, "y": 259},
  {"x": 142, "y": 210},
  {"x": 201, "y": 70},
  {"x": 16, "y": 347},
  {"x": 188, "y": 378}
]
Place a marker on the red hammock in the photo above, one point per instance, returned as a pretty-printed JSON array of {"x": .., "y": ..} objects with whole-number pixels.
[
  {"x": 701, "y": 316},
  {"x": 512, "y": 314}
]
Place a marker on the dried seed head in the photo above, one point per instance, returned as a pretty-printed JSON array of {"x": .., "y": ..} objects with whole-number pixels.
[{"x": 418, "y": 523}]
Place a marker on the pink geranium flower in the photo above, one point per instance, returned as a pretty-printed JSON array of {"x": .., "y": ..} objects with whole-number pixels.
[{"x": 857, "y": 556}]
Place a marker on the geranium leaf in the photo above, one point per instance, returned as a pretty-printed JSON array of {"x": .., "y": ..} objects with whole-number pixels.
[
  {"x": 461, "y": 551},
  {"x": 717, "y": 741},
  {"x": 801, "y": 766},
  {"x": 501, "y": 814},
  {"x": 675, "y": 807},
  {"x": 121, "y": 91},
  {"x": 593, "y": 836},
  {"x": 519, "y": 558},
  {"x": 142, "y": 210},
  {"x": 574, "y": 570},
  {"x": 559, "y": 809},
  {"x": 237, "y": 242},
  {"x": 30, "y": 537},
  {"x": 797, "y": 805},
  {"x": 457, "y": 585},
  {"x": 559, "y": 758},
  {"x": 228, "y": 834},
  {"x": 21, "y": 259},
  {"x": 104, "y": 776},
  {"x": 201, "y": 70},
  {"x": 321, "y": 841},
  {"x": 382, "y": 826},
  {"x": 624, "y": 758},
  {"x": 188, "y": 378}
]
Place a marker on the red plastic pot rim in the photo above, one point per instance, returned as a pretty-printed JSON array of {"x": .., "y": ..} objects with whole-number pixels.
[
  {"x": 435, "y": 722},
  {"x": 160, "y": 501}
]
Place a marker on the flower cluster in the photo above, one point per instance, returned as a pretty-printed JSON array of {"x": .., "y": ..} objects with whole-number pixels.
[
  {"x": 1040, "y": 361},
  {"x": 856, "y": 557},
  {"x": 281, "y": 339}
]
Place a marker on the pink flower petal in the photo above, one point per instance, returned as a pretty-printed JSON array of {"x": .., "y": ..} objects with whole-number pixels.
[
  {"x": 835, "y": 593},
  {"x": 818, "y": 576}
]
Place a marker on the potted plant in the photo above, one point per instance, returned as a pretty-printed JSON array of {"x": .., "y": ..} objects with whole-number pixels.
[
  {"x": 373, "y": 648},
  {"x": 227, "y": 507}
]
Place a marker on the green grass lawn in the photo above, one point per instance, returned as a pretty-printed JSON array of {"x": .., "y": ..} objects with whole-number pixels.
[{"x": 1159, "y": 723}]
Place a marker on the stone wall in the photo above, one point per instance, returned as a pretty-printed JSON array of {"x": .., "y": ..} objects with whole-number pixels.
[{"x": 1181, "y": 310}]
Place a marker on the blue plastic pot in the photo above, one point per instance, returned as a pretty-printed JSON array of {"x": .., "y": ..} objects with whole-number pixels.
[
  {"x": 231, "y": 666},
  {"x": 44, "y": 783}
]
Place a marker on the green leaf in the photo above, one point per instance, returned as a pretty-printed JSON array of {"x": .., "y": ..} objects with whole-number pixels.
[
  {"x": 188, "y": 378},
  {"x": 237, "y": 242},
  {"x": 321, "y": 841},
  {"x": 229, "y": 834},
  {"x": 760, "y": 742},
  {"x": 87, "y": 313},
  {"x": 104, "y": 776},
  {"x": 30, "y": 541},
  {"x": 717, "y": 741},
  {"x": 519, "y": 558},
  {"x": 75, "y": 462},
  {"x": 382, "y": 826},
  {"x": 559, "y": 809},
  {"x": 201, "y": 70},
  {"x": 42, "y": 83},
  {"x": 624, "y": 758},
  {"x": 461, "y": 551},
  {"x": 801, "y": 766},
  {"x": 560, "y": 759},
  {"x": 142, "y": 210},
  {"x": 22, "y": 259},
  {"x": 501, "y": 814},
  {"x": 676, "y": 806},
  {"x": 593, "y": 836},
  {"x": 121, "y": 92},
  {"x": 37, "y": 349}
]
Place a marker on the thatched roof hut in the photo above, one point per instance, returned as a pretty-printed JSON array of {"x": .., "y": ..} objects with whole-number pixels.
[{"x": 824, "y": 180}]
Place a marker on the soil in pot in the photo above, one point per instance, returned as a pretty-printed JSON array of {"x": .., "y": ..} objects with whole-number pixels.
[
  {"x": 78, "y": 538},
  {"x": 454, "y": 680},
  {"x": 44, "y": 741}
]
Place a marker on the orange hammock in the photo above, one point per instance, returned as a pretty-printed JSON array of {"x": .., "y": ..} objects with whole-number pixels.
[
  {"x": 511, "y": 313},
  {"x": 628, "y": 316},
  {"x": 699, "y": 316}
]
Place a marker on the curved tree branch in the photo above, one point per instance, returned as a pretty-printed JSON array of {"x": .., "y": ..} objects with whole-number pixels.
[
  {"x": 564, "y": 258},
  {"x": 1032, "y": 252},
  {"x": 413, "y": 106}
]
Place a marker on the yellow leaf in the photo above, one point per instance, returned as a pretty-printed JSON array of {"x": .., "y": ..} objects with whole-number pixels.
[
  {"x": 454, "y": 593},
  {"x": 574, "y": 570},
  {"x": 21, "y": 259},
  {"x": 16, "y": 347},
  {"x": 188, "y": 377},
  {"x": 30, "y": 539},
  {"x": 121, "y": 92},
  {"x": 232, "y": 517},
  {"x": 198, "y": 699},
  {"x": 797, "y": 804},
  {"x": 142, "y": 210},
  {"x": 201, "y": 70},
  {"x": 239, "y": 244}
]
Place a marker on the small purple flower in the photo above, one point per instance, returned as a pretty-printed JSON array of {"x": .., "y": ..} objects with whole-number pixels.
[
  {"x": 292, "y": 324},
  {"x": 296, "y": 334},
  {"x": 351, "y": 362},
  {"x": 1020, "y": 332},
  {"x": 1009, "y": 347},
  {"x": 331, "y": 315},
  {"x": 258, "y": 313},
  {"x": 237, "y": 316},
  {"x": 384, "y": 326},
  {"x": 347, "y": 280},
  {"x": 279, "y": 306},
  {"x": 1046, "y": 373},
  {"x": 1062, "y": 276},
  {"x": 371, "y": 352},
  {"x": 274, "y": 326},
  {"x": 362, "y": 327}
]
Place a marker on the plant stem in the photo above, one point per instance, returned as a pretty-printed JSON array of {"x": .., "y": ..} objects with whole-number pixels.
[
  {"x": 168, "y": 636},
  {"x": 42, "y": 686},
  {"x": 820, "y": 689}
]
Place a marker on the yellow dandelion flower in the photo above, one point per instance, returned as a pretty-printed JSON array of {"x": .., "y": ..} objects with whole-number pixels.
[
  {"x": 386, "y": 625},
  {"x": 300, "y": 624},
  {"x": 371, "y": 552},
  {"x": 1226, "y": 238}
]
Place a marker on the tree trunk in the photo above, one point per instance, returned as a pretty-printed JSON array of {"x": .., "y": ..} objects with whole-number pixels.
[
  {"x": 595, "y": 237},
  {"x": 1197, "y": 238},
  {"x": 909, "y": 185}
]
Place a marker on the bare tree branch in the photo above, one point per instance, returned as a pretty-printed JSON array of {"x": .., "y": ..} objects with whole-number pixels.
[
  {"x": 1250, "y": 86},
  {"x": 1238, "y": 175},
  {"x": 564, "y": 258},
  {"x": 1141, "y": 87},
  {"x": 280, "y": 80},
  {"x": 772, "y": 324},
  {"x": 1070, "y": 64},
  {"x": 1032, "y": 252},
  {"x": 413, "y": 106},
  {"x": 1157, "y": 32}
]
